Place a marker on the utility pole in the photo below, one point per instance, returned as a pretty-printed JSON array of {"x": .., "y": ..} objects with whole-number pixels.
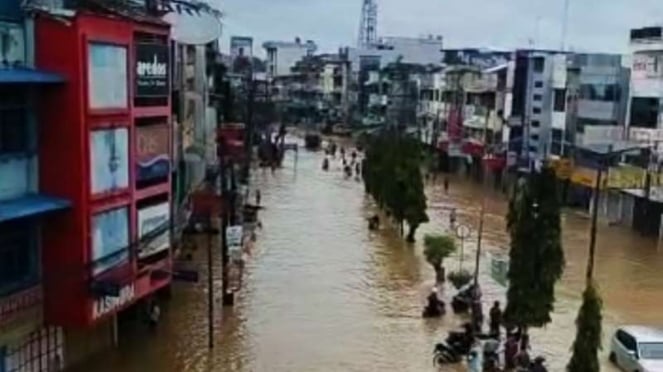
[
  {"x": 210, "y": 285},
  {"x": 249, "y": 128},
  {"x": 227, "y": 298},
  {"x": 565, "y": 23}
]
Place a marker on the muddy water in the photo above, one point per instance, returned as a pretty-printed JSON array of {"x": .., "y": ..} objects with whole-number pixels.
[{"x": 324, "y": 294}]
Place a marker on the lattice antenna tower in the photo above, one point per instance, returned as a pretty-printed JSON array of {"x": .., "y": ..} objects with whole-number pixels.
[{"x": 368, "y": 27}]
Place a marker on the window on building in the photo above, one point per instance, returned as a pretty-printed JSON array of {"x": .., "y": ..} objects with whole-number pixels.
[
  {"x": 534, "y": 137},
  {"x": 110, "y": 239},
  {"x": 557, "y": 141},
  {"x": 109, "y": 160},
  {"x": 600, "y": 92},
  {"x": 14, "y": 126},
  {"x": 537, "y": 97},
  {"x": 584, "y": 122},
  {"x": 18, "y": 256},
  {"x": 12, "y": 42},
  {"x": 107, "y": 76},
  {"x": 644, "y": 112},
  {"x": 559, "y": 103},
  {"x": 538, "y": 84},
  {"x": 539, "y": 64},
  {"x": 536, "y": 123},
  {"x": 536, "y": 110}
]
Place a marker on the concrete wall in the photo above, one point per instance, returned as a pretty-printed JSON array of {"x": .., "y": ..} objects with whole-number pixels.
[
  {"x": 284, "y": 55},
  {"x": 412, "y": 50}
]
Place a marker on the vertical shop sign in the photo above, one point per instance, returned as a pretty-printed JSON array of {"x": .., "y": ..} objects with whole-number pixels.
[
  {"x": 152, "y": 70},
  {"x": 152, "y": 152}
]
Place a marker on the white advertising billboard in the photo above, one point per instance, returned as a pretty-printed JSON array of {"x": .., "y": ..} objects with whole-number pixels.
[{"x": 151, "y": 220}]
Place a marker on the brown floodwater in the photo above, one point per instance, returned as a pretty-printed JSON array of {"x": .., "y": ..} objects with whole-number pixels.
[{"x": 322, "y": 293}]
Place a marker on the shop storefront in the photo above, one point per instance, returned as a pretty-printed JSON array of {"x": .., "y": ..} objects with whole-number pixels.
[{"x": 115, "y": 138}]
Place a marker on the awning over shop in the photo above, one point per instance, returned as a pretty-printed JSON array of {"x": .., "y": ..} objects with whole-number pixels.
[
  {"x": 30, "y": 205},
  {"x": 28, "y": 76}
]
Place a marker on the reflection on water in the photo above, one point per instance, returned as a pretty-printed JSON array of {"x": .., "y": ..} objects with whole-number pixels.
[{"x": 322, "y": 293}]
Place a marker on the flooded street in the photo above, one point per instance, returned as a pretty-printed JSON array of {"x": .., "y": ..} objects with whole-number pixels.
[{"x": 322, "y": 293}]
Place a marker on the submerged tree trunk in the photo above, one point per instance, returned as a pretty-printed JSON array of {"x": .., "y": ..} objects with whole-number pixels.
[
  {"x": 439, "y": 273},
  {"x": 412, "y": 231}
]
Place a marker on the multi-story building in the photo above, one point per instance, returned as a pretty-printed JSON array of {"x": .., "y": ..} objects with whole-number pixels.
[
  {"x": 28, "y": 209},
  {"x": 109, "y": 131},
  {"x": 421, "y": 51},
  {"x": 392, "y": 94},
  {"x": 432, "y": 109},
  {"x": 282, "y": 56},
  {"x": 538, "y": 110},
  {"x": 335, "y": 80},
  {"x": 241, "y": 46},
  {"x": 597, "y": 88},
  {"x": 646, "y": 88},
  {"x": 317, "y": 88}
]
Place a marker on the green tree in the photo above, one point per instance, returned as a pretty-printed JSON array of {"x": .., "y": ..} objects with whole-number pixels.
[
  {"x": 589, "y": 333},
  {"x": 392, "y": 176},
  {"x": 536, "y": 255},
  {"x": 436, "y": 249}
]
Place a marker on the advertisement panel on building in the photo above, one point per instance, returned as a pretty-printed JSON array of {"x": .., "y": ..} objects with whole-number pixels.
[
  {"x": 626, "y": 177},
  {"x": 645, "y": 66},
  {"x": 152, "y": 152},
  {"x": 110, "y": 239},
  {"x": 109, "y": 304},
  {"x": 563, "y": 168},
  {"x": 153, "y": 226},
  {"x": 646, "y": 74},
  {"x": 107, "y": 76},
  {"x": 645, "y": 135},
  {"x": 152, "y": 67},
  {"x": 109, "y": 160},
  {"x": 584, "y": 176}
]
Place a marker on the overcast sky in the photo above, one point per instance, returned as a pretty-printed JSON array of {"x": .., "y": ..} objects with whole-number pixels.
[{"x": 594, "y": 25}]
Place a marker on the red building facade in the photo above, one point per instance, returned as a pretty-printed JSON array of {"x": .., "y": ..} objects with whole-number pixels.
[{"x": 107, "y": 148}]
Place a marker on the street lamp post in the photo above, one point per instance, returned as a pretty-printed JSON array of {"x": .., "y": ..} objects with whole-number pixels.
[
  {"x": 604, "y": 158},
  {"x": 477, "y": 260}
]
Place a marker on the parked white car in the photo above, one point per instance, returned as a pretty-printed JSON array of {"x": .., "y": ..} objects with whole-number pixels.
[{"x": 637, "y": 349}]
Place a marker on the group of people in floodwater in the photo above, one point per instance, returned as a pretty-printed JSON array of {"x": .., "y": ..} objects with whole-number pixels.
[
  {"x": 348, "y": 165},
  {"x": 482, "y": 350}
]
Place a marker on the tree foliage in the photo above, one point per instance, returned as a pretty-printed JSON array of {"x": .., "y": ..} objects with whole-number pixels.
[
  {"x": 437, "y": 248},
  {"x": 588, "y": 337},
  {"x": 392, "y": 175},
  {"x": 536, "y": 255},
  {"x": 460, "y": 278}
]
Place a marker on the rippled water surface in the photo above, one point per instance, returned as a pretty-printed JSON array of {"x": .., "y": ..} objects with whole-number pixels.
[{"x": 322, "y": 293}]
